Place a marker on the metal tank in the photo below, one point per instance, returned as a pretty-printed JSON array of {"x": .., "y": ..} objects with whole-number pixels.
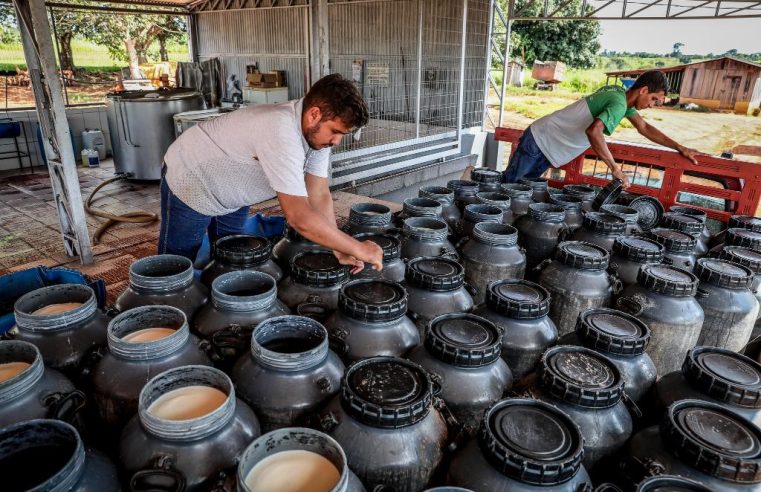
[{"x": 142, "y": 128}]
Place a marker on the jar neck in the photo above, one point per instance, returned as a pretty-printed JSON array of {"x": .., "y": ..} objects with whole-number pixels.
[
  {"x": 418, "y": 230},
  {"x": 28, "y": 304},
  {"x": 17, "y": 351},
  {"x": 162, "y": 273},
  {"x": 146, "y": 317},
  {"x": 284, "y": 330},
  {"x": 507, "y": 236},
  {"x": 441, "y": 195},
  {"x": 224, "y": 288}
]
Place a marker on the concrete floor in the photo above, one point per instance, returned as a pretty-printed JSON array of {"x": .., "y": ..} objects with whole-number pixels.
[{"x": 30, "y": 234}]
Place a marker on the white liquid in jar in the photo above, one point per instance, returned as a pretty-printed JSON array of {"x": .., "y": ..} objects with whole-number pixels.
[
  {"x": 61, "y": 307},
  {"x": 148, "y": 335},
  {"x": 187, "y": 403},
  {"x": 10, "y": 370},
  {"x": 293, "y": 471}
]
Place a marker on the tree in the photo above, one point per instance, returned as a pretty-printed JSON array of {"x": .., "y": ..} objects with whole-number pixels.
[
  {"x": 677, "y": 50},
  {"x": 574, "y": 42},
  {"x": 69, "y": 23}
]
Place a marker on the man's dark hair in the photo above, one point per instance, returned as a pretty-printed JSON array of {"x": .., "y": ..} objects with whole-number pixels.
[
  {"x": 338, "y": 97},
  {"x": 654, "y": 80}
]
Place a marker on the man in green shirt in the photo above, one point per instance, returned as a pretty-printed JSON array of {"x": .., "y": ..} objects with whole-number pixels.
[{"x": 560, "y": 137}]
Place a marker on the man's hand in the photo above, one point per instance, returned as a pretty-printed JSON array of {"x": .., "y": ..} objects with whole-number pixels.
[
  {"x": 619, "y": 174},
  {"x": 368, "y": 252},
  {"x": 348, "y": 260},
  {"x": 689, "y": 153}
]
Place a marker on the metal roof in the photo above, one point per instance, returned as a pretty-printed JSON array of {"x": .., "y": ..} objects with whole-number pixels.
[{"x": 678, "y": 68}]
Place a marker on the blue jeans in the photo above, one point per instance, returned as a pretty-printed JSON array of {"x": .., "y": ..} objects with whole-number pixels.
[
  {"x": 182, "y": 228},
  {"x": 527, "y": 161}
]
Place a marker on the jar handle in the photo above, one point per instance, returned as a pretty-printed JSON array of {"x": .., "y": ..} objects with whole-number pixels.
[
  {"x": 234, "y": 337},
  {"x": 445, "y": 253},
  {"x": 314, "y": 307},
  {"x": 632, "y": 406},
  {"x": 702, "y": 293},
  {"x": 541, "y": 266},
  {"x": 615, "y": 283},
  {"x": 338, "y": 345},
  {"x": 90, "y": 361},
  {"x": 629, "y": 305},
  {"x": 463, "y": 240},
  {"x": 162, "y": 477},
  {"x": 65, "y": 406},
  {"x": 473, "y": 291},
  {"x": 667, "y": 261}
]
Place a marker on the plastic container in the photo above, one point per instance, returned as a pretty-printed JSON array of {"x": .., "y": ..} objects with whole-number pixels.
[
  {"x": 371, "y": 321},
  {"x": 90, "y": 158},
  {"x": 540, "y": 231},
  {"x": 649, "y": 208},
  {"x": 705, "y": 234},
  {"x": 672, "y": 483},
  {"x": 450, "y": 213},
  {"x": 368, "y": 217},
  {"x": 475, "y": 214},
  {"x": 492, "y": 254},
  {"x": 289, "y": 246},
  {"x": 520, "y": 198},
  {"x": 426, "y": 236},
  {"x": 421, "y": 207},
  {"x": 746, "y": 238},
  {"x": 462, "y": 352},
  {"x": 600, "y": 228},
  {"x": 393, "y": 266},
  {"x": 574, "y": 214},
  {"x": 464, "y": 192},
  {"x": 750, "y": 259},
  {"x": 241, "y": 253},
  {"x": 313, "y": 283},
  {"x": 94, "y": 139},
  {"x": 499, "y": 200},
  {"x": 385, "y": 421},
  {"x": 288, "y": 352},
  {"x": 487, "y": 179},
  {"x": 679, "y": 247},
  {"x": 630, "y": 253},
  {"x": 586, "y": 193},
  {"x": 629, "y": 215},
  {"x": 520, "y": 308},
  {"x": 688, "y": 224},
  {"x": 540, "y": 192},
  {"x": 523, "y": 446}
]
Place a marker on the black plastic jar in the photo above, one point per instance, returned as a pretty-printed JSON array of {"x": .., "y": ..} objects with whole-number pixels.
[
  {"x": 313, "y": 283},
  {"x": 500, "y": 200},
  {"x": 475, "y": 214},
  {"x": 629, "y": 215},
  {"x": 705, "y": 234},
  {"x": 748, "y": 222},
  {"x": 600, "y": 228},
  {"x": 368, "y": 217},
  {"x": 487, "y": 179},
  {"x": 540, "y": 231},
  {"x": 540, "y": 192},
  {"x": 523, "y": 446},
  {"x": 750, "y": 259},
  {"x": 36, "y": 392},
  {"x": 241, "y": 253},
  {"x": 193, "y": 452},
  {"x": 574, "y": 214},
  {"x": 435, "y": 286},
  {"x": 747, "y": 238},
  {"x": 586, "y": 193},
  {"x": 49, "y": 456},
  {"x": 239, "y": 302},
  {"x": 520, "y": 198},
  {"x": 577, "y": 280},
  {"x": 421, "y": 207},
  {"x": 393, "y": 266},
  {"x": 492, "y": 254},
  {"x": 664, "y": 299},
  {"x": 688, "y": 224},
  {"x": 128, "y": 365},
  {"x": 64, "y": 339},
  {"x": 464, "y": 192},
  {"x": 426, "y": 236},
  {"x": 703, "y": 442},
  {"x": 462, "y": 352},
  {"x": 717, "y": 376},
  {"x": 630, "y": 253},
  {"x": 730, "y": 308},
  {"x": 371, "y": 321},
  {"x": 386, "y": 423},
  {"x": 289, "y": 246},
  {"x": 163, "y": 280},
  {"x": 679, "y": 247},
  {"x": 589, "y": 388},
  {"x": 623, "y": 339},
  {"x": 450, "y": 213},
  {"x": 520, "y": 309},
  {"x": 288, "y": 352},
  {"x": 670, "y": 483}
]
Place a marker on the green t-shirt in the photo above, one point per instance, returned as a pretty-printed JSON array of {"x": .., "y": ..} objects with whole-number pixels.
[{"x": 609, "y": 106}]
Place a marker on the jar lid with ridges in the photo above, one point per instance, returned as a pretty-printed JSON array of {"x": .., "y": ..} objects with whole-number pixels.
[
  {"x": 692, "y": 212},
  {"x": 373, "y": 300},
  {"x": 387, "y": 392},
  {"x": 722, "y": 273},
  {"x": 745, "y": 222},
  {"x": 743, "y": 256},
  {"x": 724, "y": 375},
  {"x": 518, "y": 299},
  {"x": 629, "y": 214},
  {"x": 638, "y": 248},
  {"x": 670, "y": 483},
  {"x": 535, "y": 183},
  {"x": 484, "y": 175},
  {"x": 318, "y": 269},
  {"x": 668, "y": 280},
  {"x": 649, "y": 208},
  {"x": 580, "y": 376},
  {"x": 546, "y": 212},
  {"x": 463, "y": 340},
  {"x": 603, "y": 223},
  {"x": 674, "y": 241},
  {"x": 681, "y": 222},
  {"x": 582, "y": 255},
  {"x": 531, "y": 441},
  {"x": 713, "y": 440},
  {"x": 391, "y": 246},
  {"x": 746, "y": 238},
  {"x": 243, "y": 249},
  {"x": 435, "y": 273},
  {"x": 516, "y": 190},
  {"x": 583, "y": 191},
  {"x": 608, "y": 194},
  {"x": 611, "y": 331}
]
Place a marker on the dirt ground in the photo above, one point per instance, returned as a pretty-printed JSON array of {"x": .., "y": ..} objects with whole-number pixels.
[{"x": 88, "y": 88}]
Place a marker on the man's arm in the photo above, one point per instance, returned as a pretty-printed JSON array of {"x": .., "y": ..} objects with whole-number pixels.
[
  {"x": 655, "y": 135},
  {"x": 597, "y": 141},
  {"x": 319, "y": 196}
]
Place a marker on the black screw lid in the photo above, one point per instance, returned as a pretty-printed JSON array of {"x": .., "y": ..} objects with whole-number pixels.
[
  {"x": 603, "y": 223},
  {"x": 580, "y": 376},
  {"x": 518, "y": 299},
  {"x": 243, "y": 250},
  {"x": 463, "y": 188},
  {"x": 582, "y": 191},
  {"x": 435, "y": 273},
  {"x": 668, "y": 280},
  {"x": 670, "y": 483},
  {"x": 373, "y": 300},
  {"x": 743, "y": 237},
  {"x": 722, "y": 273},
  {"x": 638, "y": 248},
  {"x": 483, "y": 175},
  {"x": 516, "y": 190},
  {"x": 535, "y": 183},
  {"x": 745, "y": 222},
  {"x": 391, "y": 246},
  {"x": 531, "y": 441},
  {"x": 681, "y": 222},
  {"x": 568, "y": 202},
  {"x": 674, "y": 241},
  {"x": 630, "y": 215},
  {"x": 582, "y": 255},
  {"x": 608, "y": 194},
  {"x": 692, "y": 212},
  {"x": 318, "y": 269},
  {"x": 714, "y": 440},
  {"x": 743, "y": 256},
  {"x": 386, "y": 392},
  {"x": 463, "y": 340},
  {"x": 649, "y": 208},
  {"x": 724, "y": 375},
  {"x": 611, "y": 331},
  {"x": 607, "y": 487}
]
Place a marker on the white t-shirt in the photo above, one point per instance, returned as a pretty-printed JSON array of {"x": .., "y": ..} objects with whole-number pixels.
[{"x": 242, "y": 158}]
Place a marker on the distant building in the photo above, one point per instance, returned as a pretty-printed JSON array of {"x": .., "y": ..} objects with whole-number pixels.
[{"x": 724, "y": 84}]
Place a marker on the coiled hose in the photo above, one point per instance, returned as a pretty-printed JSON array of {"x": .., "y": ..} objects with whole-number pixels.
[{"x": 137, "y": 217}]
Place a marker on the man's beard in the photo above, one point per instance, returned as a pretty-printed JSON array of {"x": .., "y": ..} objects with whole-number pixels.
[{"x": 309, "y": 137}]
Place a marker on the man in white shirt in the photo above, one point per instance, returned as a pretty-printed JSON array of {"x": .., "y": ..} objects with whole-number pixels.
[{"x": 215, "y": 170}]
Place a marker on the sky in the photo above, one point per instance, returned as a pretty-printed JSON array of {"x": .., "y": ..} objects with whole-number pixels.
[{"x": 698, "y": 36}]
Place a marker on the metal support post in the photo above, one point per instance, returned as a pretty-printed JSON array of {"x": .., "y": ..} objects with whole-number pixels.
[
  {"x": 319, "y": 53},
  {"x": 511, "y": 6},
  {"x": 463, "y": 52},
  {"x": 419, "y": 81},
  {"x": 487, "y": 75}
]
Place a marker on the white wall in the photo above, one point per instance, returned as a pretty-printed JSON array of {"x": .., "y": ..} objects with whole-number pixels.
[{"x": 90, "y": 117}]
